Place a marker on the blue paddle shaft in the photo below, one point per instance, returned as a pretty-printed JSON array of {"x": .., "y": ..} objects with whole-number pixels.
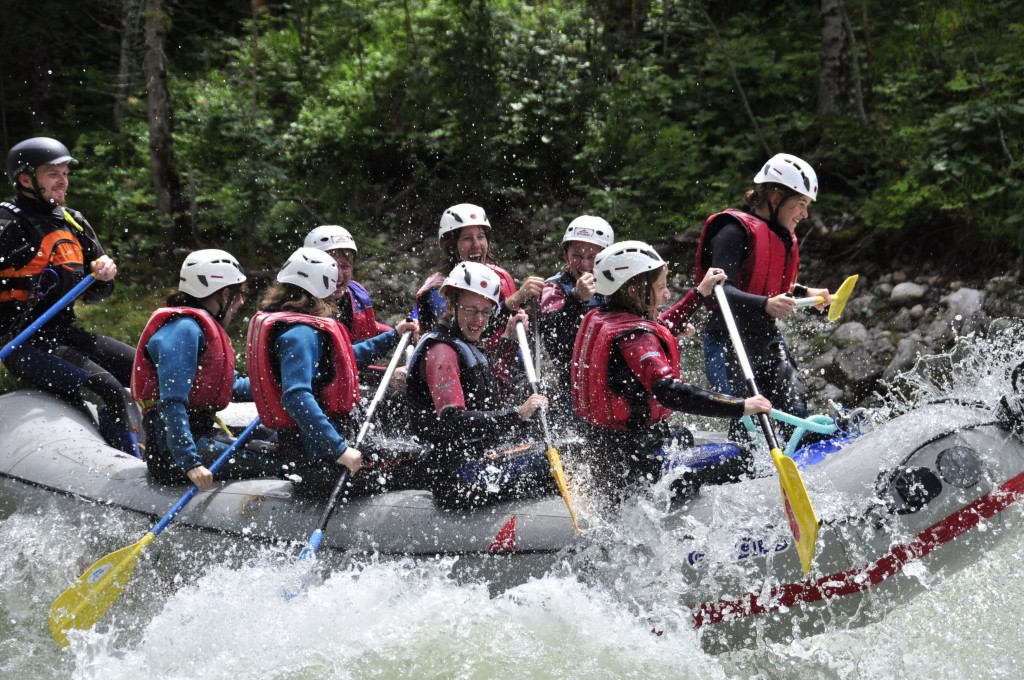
[
  {"x": 183, "y": 501},
  {"x": 47, "y": 315}
]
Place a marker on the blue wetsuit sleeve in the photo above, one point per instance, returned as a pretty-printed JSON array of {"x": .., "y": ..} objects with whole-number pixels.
[
  {"x": 241, "y": 391},
  {"x": 369, "y": 350},
  {"x": 175, "y": 351},
  {"x": 300, "y": 350}
]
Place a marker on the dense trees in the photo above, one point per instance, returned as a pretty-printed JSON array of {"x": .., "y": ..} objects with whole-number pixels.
[{"x": 376, "y": 115}]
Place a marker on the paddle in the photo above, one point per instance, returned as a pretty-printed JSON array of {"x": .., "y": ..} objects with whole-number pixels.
[
  {"x": 47, "y": 315},
  {"x": 308, "y": 552},
  {"x": 554, "y": 460},
  {"x": 839, "y": 298},
  {"x": 93, "y": 593},
  {"x": 802, "y": 520}
]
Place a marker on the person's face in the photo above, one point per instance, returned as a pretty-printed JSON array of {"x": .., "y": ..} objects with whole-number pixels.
[
  {"x": 580, "y": 255},
  {"x": 344, "y": 260},
  {"x": 52, "y": 181},
  {"x": 471, "y": 245},
  {"x": 793, "y": 210},
  {"x": 472, "y": 312},
  {"x": 659, "y": 293}
]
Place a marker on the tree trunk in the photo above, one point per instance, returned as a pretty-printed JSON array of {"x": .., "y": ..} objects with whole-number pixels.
[
  {"x": 126, "y": 64},
  {"x": 166, "y": 181},
  {"x": 832, "y": 86}
]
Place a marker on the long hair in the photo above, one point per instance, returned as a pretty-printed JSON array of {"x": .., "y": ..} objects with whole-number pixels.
[
  {"x": 287, "y": 297},
  {"x": 635, "y": 295}
]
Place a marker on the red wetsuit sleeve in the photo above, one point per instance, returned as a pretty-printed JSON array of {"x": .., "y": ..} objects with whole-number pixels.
[
  {"x": 646, "y": 358},
  {"x": 678, "y": 315},
  {"x": 443, "y": 378}
]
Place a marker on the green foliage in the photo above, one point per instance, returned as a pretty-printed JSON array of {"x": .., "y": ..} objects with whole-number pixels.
[{"x": 376, "y": 116}]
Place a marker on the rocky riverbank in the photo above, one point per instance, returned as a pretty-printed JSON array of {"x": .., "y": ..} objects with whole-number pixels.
[{"x": 891, "y": 322}]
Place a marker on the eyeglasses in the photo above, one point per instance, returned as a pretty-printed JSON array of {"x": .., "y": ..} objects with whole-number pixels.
[{"x": 473, "y": 312}]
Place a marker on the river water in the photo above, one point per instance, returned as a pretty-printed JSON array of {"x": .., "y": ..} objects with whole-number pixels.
[{"x": 210, "y": 607}]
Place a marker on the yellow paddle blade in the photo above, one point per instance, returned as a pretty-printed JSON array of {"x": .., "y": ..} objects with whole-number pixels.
[
  {"x": 802, "y": 520},
  {"x": 92, "y": 594},
  {"x": 555, "y": 461},
  {"x": 841, "y": 296}
]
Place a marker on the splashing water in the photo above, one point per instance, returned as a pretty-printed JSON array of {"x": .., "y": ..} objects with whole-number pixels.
[{"x": 210, "y": 606}]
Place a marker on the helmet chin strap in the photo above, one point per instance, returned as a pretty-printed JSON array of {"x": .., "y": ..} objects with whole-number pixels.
[
  {"x": 223, "y": 307},
  {"x": 34, "y": 189}
]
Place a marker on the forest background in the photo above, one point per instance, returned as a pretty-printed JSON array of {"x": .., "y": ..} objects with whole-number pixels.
[{"x": 242, "y": 124}]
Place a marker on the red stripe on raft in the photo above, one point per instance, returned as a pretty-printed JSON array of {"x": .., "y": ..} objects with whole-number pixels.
[{"x": 856, "y": 580}]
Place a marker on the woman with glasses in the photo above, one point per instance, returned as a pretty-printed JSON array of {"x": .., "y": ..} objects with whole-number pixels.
[
  {"x": 458, "y": 399},
  {"x": 184, "y": 373},
  {"x": 625, "y": 374}
]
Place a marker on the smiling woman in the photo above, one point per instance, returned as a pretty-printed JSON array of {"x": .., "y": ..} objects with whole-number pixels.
[{"x": 463, "y": 237}]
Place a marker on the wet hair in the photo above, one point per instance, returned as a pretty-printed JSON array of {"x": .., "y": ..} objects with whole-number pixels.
[
  {"x": 635, "y": 295},
  {"x": 287, "y": 297}
]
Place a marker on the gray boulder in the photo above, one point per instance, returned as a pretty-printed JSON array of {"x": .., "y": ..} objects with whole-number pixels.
[{"x": 907, "y": 293}]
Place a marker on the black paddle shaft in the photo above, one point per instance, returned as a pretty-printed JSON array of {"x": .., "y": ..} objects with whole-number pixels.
[{"x": 762, "y": 418}]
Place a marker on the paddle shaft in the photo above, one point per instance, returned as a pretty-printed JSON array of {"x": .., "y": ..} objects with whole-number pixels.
[
  {"x": 810, "y": 301},
  {"x": 47, "y": 315},
  {"x": 223, "y": 458},
  {"x": 313, "y": 544},
  {"x": 554, "y": 460},
  {"x": 531, "y": 376},
  {"x": 748, "y": 372}
]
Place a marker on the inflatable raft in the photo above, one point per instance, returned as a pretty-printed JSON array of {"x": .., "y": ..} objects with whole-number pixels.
[{"x": 933, "y": 488}]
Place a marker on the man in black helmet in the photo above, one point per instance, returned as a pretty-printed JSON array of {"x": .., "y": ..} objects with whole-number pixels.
[{"x": 45, "y": 249}]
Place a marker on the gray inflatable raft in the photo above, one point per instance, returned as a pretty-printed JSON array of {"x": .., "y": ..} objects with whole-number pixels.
[
  {"x": 48, "y": 444},
  {"x": 932, "y": 489}
]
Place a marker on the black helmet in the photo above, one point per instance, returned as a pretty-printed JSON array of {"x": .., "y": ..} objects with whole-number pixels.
[{"x": 28, "y": 155}]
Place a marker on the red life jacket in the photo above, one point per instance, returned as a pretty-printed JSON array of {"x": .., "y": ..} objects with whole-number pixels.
[
  {"x": 592, "y": 395},
  {"x": 364, "y": 321},
  {"x": 215, "y": 370},
  {"x": 338, "y": 395},
  {"x": 769, "y": 268}
]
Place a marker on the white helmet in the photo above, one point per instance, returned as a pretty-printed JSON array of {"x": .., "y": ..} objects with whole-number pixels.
[
  {"x": 330, "y": 237},
  {"x": 590, "y": 229},
  {"x": 617, "y": 264},
  {"x": 463, "y": 215},
  {"x": 204, "y": 272},
  {"x": 790, "y": 172},
  {"x": 312, "y": 270},
  {"x": 474, "y": 277}
]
